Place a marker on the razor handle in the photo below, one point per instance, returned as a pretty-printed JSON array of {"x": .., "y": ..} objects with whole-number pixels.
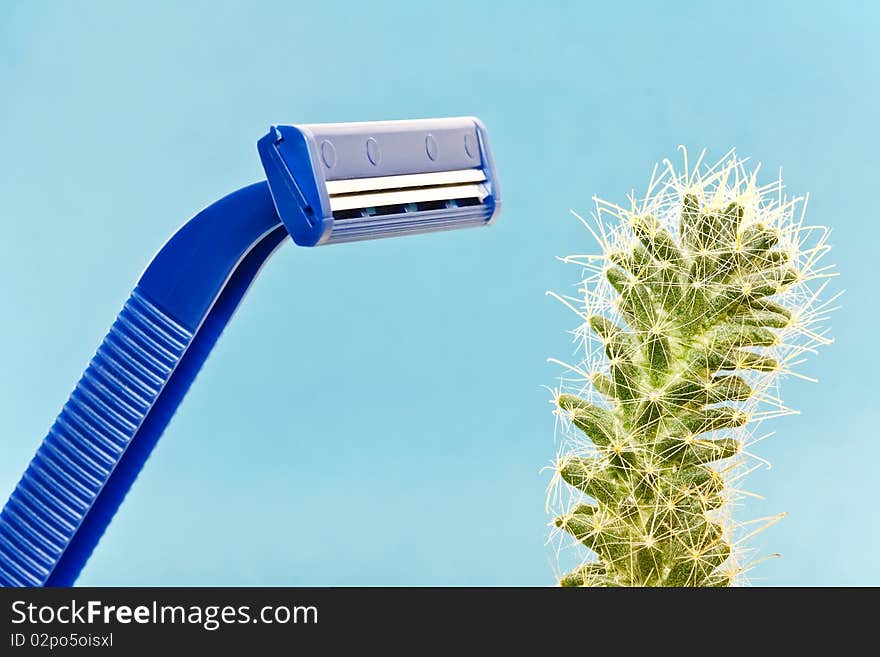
[{"x": 125, "y": 399}]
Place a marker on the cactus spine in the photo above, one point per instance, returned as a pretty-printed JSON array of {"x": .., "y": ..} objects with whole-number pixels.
[{"x": 704, "y": 293}]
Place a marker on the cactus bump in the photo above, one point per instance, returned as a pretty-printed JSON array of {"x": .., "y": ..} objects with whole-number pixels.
[{"x": 705, "y": 292}]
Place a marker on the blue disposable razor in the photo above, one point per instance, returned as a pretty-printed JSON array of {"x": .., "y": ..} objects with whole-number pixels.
[{"x": 325, "y": 183}]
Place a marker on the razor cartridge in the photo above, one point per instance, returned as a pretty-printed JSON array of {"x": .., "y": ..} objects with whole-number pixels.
[{"x": 341, "y": 182}]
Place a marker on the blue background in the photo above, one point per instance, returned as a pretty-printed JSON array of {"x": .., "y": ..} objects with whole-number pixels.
[{"x": 409, "y": 450}]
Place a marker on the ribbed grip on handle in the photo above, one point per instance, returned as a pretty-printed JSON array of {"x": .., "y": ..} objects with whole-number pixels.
[{"x": 89, "y": 437}]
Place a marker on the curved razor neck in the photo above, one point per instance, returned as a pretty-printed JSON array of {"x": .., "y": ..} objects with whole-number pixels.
[{"x": 187, "y": 275}]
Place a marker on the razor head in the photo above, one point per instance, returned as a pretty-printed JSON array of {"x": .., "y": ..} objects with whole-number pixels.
[{"x": 342, "y": 182}]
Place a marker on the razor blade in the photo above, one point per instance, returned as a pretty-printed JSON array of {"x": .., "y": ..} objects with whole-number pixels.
[{"x": 343, "y": 182}]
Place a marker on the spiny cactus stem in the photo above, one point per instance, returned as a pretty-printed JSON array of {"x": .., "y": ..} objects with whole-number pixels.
[{"x": 691, "y": 341}]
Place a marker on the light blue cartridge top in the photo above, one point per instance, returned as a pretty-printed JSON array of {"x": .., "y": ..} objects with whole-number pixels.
[{"x": 340, "y": 182}]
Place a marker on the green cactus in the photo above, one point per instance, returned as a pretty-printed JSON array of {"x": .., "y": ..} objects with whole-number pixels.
[{"x": 702, "y": 297}]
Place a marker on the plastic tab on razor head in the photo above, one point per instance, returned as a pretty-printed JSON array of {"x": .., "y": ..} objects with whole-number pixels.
[{"x": 341, "y": 182}]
